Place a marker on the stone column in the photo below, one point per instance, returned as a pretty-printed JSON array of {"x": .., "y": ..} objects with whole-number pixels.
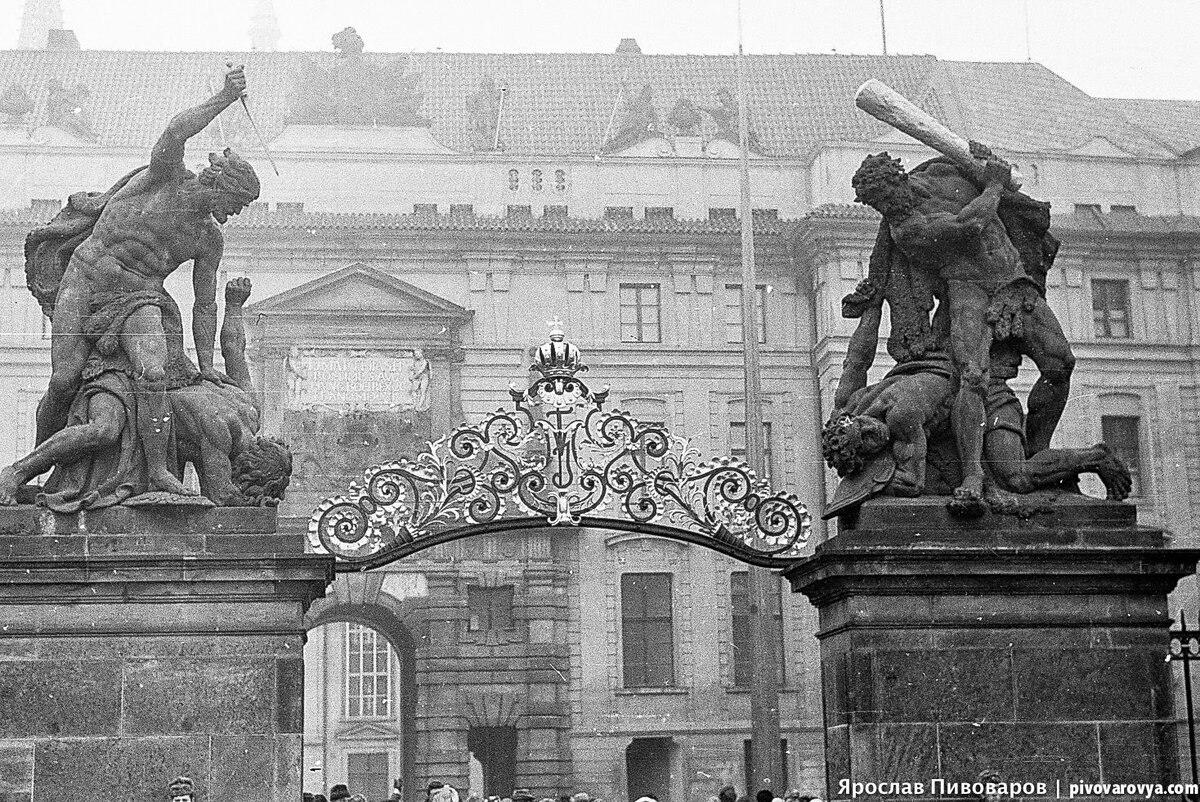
[
  {"x": 1033, "y": 648},
  {"x": 138, "y": 644}
]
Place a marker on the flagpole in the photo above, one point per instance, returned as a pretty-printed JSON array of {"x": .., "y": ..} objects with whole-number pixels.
[{"x": 766, "y": 759}]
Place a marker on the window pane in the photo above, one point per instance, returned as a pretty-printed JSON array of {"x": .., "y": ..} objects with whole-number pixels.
[
  {"x": 369, "y": 664},
  {"x": 1122, "y": 433},
  {"x": 647, "y": 630},
  {"x": 739, "y": 603},
  {"x": 733, "y": 313},
  {"x": 737, "y": 445},
  {"x": 640, "y": 313},
  {"x": 1110, "y": 307}
]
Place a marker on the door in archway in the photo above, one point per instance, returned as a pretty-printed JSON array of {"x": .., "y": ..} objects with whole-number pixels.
[
  {"x": 354, "y": 707},
  {"x": 496, "y": 750},
  {"x": 648, "y": 768}
]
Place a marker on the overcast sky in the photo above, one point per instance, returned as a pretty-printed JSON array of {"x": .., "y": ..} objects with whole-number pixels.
[{"x": 1108, "y": 48}]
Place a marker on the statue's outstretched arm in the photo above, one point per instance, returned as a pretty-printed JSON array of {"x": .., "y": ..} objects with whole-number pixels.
[
  {"x": 233, "y": 334},
  {"x": 167, "y": 156},
  {"x": 860, "y": 355}
]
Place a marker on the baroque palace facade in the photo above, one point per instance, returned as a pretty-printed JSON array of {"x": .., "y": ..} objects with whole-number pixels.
[{"x": 432, "y": 212}]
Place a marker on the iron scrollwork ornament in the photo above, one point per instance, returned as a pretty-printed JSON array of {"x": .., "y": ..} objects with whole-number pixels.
[{"x": 560, "y": 457}]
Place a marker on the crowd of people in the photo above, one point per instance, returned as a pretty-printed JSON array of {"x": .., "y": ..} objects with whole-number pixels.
[{"x": 440, "y": 792}]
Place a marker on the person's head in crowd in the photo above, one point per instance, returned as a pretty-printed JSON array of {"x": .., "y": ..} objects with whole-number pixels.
[
  {"x": 727, "y": 794},
  {"x": 764, "y": 796},
  {"x": 339, "y": 791}
]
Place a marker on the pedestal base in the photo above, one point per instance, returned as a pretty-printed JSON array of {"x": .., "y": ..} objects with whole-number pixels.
[
  {"x": 140, "y": 644},
  {"x": 1032, "y": 648}
]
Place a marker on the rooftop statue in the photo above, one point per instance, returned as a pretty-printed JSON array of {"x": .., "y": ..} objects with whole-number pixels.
[
  {"x": 126, "y": 408},
  {"x": 955, "y": 230},
  {"x": 634, "y": 120},
  {"x": 358, "y": 89},
  {"x": 725, "y": 117}
]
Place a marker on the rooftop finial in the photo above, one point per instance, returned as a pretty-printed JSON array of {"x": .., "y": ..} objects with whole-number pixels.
[{"x": 37, "y": 19}]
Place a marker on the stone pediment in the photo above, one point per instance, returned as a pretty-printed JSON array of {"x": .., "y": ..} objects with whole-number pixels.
[
  {"x": 360, "y": 290},
  {"x": 57, "y": 137},
  {"x": 369, "y": 731},
  {"x": 893, "y": 136},
  {"x": 1100, "y": 146}
]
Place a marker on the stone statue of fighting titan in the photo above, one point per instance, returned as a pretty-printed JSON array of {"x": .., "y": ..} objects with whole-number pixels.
[{"x": 102, "y": 262}]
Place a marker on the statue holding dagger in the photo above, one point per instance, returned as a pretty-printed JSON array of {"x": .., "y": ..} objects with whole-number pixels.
[{"x": 117, "y": 349}]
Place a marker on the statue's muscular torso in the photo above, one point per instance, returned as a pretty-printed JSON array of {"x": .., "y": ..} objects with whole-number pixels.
[
  {"x": 146, "y": 231},
  {"x": 987, "y": 258}
]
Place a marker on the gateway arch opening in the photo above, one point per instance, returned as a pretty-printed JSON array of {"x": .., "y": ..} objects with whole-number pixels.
[{"x": 359, "y": 707}]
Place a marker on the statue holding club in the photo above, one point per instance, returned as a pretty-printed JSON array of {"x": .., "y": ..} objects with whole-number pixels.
[{"x": 956, "y": 234}]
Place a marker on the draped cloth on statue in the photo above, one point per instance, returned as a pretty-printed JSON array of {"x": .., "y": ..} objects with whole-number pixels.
[
  {"x": 107, "y": 476},
  {"x": 112, "y": 474}
]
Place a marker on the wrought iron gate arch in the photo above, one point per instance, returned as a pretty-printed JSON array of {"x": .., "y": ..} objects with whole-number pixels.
[{"x": 559, "y": 458}]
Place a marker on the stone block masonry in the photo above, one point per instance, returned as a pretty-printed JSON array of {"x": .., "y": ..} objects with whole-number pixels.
[
  {"x": 1032, "y": 648},
  {"x": 140, "y": 644}
]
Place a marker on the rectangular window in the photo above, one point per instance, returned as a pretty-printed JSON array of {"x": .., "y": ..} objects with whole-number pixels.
[
  {"x": 737, "y": 445},
  {"x": 740, "y": 640},
  {"x": 1122, "y": 433},
  {"x": 368, "y": 673},
  {"x": 647, "y": 639},
  {"x": 369, "y": 774},
  {"x": 733, "y": 313},
  {"x": 640, "y": 314},
  {"x": 739, "y": 605},
  {"x": 489, "y": 608},
  {"x": 1110, "y": 307}
]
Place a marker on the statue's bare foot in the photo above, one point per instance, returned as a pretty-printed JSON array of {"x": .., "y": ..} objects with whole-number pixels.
[
  {"x": 968, "y": 499},
  {"x": 167, "y": 482},
  {"x": 1003, "y": 502},
  {"x": 1113, "y": 474},
  {"x": 8, "y": 486}
]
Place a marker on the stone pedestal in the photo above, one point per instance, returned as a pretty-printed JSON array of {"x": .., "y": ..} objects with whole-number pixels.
[
  {"x": 140, "y": 644},
  {"x": 1034, "y": 648}
]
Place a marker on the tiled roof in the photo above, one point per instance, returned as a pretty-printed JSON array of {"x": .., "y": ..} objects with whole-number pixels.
[
  {"x": 1175, "y": 122},
  {"x": 1125, "y": 223},
  {"x": 256, "y": 219},
  {"x": 561, "y": 103},
  {"x": 1024, "y": 106},
  {"x": 842, "y": 211},
  {"x": 1113, "y": 223}
]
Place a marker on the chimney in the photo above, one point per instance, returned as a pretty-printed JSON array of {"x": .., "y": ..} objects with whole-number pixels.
[
  {"x": 629, "y": 47},
  {"x": 37, "y": 18},
  {"x": 264, "y": 27},
  {"x": 61, "y": 39}
]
